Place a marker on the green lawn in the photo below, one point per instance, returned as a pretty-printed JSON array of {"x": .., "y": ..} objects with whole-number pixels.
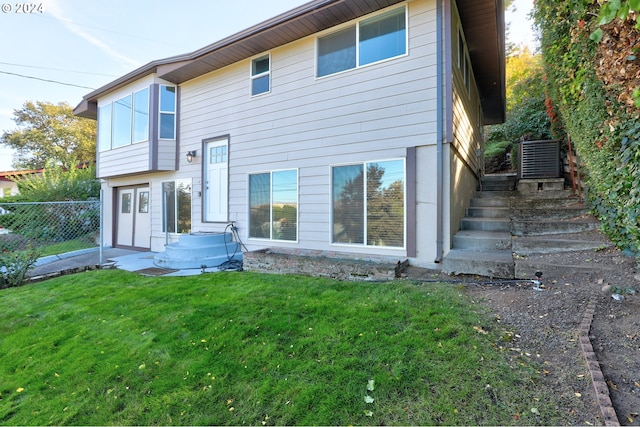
[
  {"x": 67, "y": 246},
  {"x": 111, "y": 347}
]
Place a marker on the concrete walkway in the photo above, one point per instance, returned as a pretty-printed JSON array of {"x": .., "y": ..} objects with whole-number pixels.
[{"x": 123, "y": 259}]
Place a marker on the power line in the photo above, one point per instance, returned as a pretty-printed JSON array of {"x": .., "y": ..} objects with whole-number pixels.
[
  {"x": 69, "y": 21},
  {"x": 46, "y": 80},
  {"x": 57, "y": 69}
]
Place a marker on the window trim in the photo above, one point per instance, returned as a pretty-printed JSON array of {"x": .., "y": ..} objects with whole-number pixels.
[
  {"x": 464, "y": 62},
  {"x": 267, "y": 73},
  {"x": 133, "y": 114},
  {"x": 176, "y": 207},
  {"x": 356, "y": 23},
  {"x": 270, "y": 238},
  {"x": 364, "y": 164},
  {"x": 174, "y": 113},
  {"x": 106, "y": 131}
]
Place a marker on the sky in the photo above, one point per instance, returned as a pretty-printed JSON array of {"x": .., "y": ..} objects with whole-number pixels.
[{"x": 81, "y": 45}]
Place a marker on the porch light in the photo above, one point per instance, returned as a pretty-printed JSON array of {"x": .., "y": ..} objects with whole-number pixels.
[{"x": 191, "y": 155}]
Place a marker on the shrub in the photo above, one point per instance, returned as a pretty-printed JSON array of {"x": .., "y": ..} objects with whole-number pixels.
[{"x": 15, "y": 263}]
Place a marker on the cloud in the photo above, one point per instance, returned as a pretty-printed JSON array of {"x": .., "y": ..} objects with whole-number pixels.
[{"x": 56, "y": 11}]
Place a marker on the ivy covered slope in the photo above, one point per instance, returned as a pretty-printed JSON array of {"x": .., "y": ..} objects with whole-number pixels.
[{"x": 590, "y": 50}]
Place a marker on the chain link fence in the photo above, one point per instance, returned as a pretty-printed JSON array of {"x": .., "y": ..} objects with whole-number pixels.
[{"x": 50, "y": 227}]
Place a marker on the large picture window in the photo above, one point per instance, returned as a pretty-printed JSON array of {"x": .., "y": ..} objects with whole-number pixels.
[
  {"x": 273, "y": 205},
  {"x": 176, "y": 206},
  {"x": 369, "y": 204},
  {"x": 372, "y": 40},
  {"x": 124, "y": 121}
]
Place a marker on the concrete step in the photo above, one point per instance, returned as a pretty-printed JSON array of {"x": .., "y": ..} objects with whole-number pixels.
[
  {"x": 525, "y": 268},
  {"x": 488, "y": 212},
  {"x": 538, "y": 185},
  {"x": 482, "y": 240},
  {"x": 554, "y": 244},
  {"x": 542, "y": 227},
  {"x": 199, "y": 250},
  {"x": 550, "y": 213},
  {"x": 525, "y": 213},
  {"x": 486, "y": 224},
  {"x": 498, "y": 182},
  {"x": 487, "y": 202},
  {"x": 555, "y": 194},
  {"x": 493, "y": 264},
  {"x": 493, "y": 194},
  {"x": 519, "y": 202}
]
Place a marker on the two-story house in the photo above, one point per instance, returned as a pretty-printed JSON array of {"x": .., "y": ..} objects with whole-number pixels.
[{"x": 349, "y": 127}]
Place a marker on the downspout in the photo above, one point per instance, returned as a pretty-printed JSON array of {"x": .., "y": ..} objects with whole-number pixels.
[{"x": 439, "y": 133}]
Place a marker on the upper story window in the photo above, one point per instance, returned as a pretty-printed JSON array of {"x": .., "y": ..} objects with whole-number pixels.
[
  {"x": 463, "y": 61},
  {"x": 167, "y": 112},
  {"x": 126, "y": 121},
  {"x": 371, "y": 40},
  {"x": 261, "y": 75}
]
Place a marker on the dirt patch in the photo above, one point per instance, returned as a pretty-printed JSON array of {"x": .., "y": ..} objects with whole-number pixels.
[{"x": 545, "y": 327}]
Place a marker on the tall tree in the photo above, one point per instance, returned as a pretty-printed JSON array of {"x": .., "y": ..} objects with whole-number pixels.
[{"x": 50, "y": 133}]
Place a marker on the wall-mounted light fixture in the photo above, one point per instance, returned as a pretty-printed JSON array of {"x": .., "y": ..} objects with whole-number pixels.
[{"x": 191, "y": 155}]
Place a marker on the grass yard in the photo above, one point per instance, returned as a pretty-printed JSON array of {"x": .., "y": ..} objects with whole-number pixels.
[
  {"x": 67, "y": 246},
  {"x": 111, "y": 347}
]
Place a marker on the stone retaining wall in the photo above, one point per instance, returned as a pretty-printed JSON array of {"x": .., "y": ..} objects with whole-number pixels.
[{"x": 319, "y": 264}]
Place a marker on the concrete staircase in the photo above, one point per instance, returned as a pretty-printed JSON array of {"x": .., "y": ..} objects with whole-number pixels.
[
  {"x": 200, "y": 250},
  {"x": 508, "y": 221}
]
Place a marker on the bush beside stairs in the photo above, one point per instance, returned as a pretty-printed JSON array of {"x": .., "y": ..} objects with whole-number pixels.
[{"x": 509, "y": 222}]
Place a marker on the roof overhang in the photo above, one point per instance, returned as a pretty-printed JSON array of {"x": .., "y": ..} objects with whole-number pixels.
[
  {"x": 483, "y": 23},
  {"x": 482, "y": 19}
]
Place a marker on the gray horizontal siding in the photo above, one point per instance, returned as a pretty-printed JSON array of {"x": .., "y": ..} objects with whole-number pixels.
[{"x": 373, "y": 113}]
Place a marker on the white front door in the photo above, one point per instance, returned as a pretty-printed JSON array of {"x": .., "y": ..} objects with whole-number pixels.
[
  {"x": 133, "y": 228},
  {"x": 216, "y": 180}
]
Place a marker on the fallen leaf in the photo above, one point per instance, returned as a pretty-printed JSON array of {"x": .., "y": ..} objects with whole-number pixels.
[
  {"x": 368, "y": 413},
  {"x": 578, "y": 394},
  {"x": 480, "y": 330},
  {"x": 20, "y": 389},
  {"x": 142, "y": 366},
  {"x": 535, "y": 411},
  {"x": 368, "y": 399},
  {"x": 371, "y": 385}
]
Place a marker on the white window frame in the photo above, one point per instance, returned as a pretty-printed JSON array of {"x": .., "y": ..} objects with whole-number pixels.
[
  {"x": 107, "y": 130},
  {"x": 357, "y": 23},
  {"x": 133, "y": 114},
  {"x": 176, "y": 206},
  {"x": 271, "y": 172},
  {"x": 464, "y": 62},
  {"x": 366, "y": 206},
  {"x": 260, "y": 75},
  {"x": 174, "y": 112}
]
